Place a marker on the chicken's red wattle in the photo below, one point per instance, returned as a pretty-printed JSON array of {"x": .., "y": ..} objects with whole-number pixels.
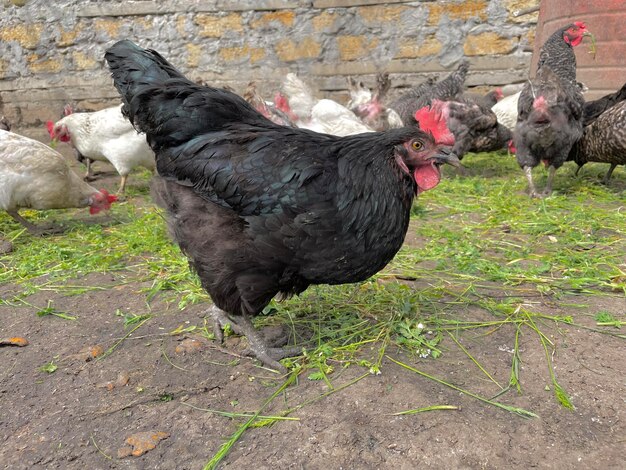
[{"x": 426, "y": 177}]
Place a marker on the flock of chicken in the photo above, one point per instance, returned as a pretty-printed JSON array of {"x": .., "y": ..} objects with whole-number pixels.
[{"x": 267, "y": 198}]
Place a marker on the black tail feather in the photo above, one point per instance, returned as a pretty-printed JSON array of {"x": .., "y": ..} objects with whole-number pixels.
[
  {"x": 134, "y": 71},
  {"x": 168, "y": 107}
]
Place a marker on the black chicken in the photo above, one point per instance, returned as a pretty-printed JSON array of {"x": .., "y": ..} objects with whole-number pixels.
[
  {"x": 550, "y": 107},
  {"x": 475, "y": 128},
  {"x": 261, "y": 209},
  {"x": 603, "y": 141}
]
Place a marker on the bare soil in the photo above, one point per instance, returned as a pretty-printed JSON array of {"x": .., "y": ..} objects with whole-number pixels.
[{"x": 81, "y": 415}]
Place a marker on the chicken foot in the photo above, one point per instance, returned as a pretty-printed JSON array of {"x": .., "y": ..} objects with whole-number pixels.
[
  {"x": 5, "y": 246},
  {"x": 531, "y": 185},
  {"x": 33, "y": 229},
  {"x": 257, "y": 346},
  {"x": 551, "y": 173},
  {"x": 607, "y": 177}
]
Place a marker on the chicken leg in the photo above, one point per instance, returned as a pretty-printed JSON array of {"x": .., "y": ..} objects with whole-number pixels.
[
  {"x": 122, "y": 184},
  {"x": 89, "y": 175},
  {"x": 32, "y": 228},
  {"x": 551, "y": 172},
  {"x": 531, "y": 185},
  {"x": 607, "y": 177},
  {"x": 258, "y": 346},
  {"x": 578, "y": 170}
]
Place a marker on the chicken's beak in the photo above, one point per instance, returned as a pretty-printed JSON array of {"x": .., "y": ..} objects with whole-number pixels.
[{"x": 445, "y": 155}]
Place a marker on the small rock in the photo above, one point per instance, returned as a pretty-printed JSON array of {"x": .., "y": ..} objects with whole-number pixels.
[
  {"x": 141, "y": 442},
  {"x": 191, "y": 346},
  {"x": 88, "y": 353},
  {"x": 122, "y": 380}
]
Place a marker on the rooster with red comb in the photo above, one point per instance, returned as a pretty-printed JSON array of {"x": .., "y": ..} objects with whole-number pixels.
[{"x": 261, "y": 209}]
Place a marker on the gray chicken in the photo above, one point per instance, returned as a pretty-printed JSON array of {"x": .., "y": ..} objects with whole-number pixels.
[
  {"x": 449, "y": 88},
  {"x": 476, "y": 128},
  {"x": 550, "y": 108}
]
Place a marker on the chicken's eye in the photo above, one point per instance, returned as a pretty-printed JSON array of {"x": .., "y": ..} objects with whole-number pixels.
[{"x": 417, "y": 145}]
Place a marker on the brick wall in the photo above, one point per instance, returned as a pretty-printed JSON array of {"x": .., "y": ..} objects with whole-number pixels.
[{"x": 51, "y": 52}]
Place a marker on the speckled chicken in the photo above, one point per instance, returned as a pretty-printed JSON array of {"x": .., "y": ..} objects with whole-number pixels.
[
  {"x": 604, "y": 140},
  {"x": 487, "y": 100},
  {"x": 550, "y": 108},
  {"x": 595, "y": 108},
  {"x": 449, "y": 88}
]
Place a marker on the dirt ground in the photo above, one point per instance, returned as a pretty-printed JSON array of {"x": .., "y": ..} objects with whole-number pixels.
[{"x": 81, "y": 415}]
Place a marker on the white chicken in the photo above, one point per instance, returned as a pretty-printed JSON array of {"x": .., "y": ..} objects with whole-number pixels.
[
  {"x": 106, "y": 135},
  {"x": 506, "y": 110},
  {"x": 33, "y": 175},
  {"x": 369, "y": 106},
  {"x": 326, "y": 116}
]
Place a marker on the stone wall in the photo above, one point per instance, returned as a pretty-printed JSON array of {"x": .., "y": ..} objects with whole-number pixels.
[{"x": 51, "y": 52}]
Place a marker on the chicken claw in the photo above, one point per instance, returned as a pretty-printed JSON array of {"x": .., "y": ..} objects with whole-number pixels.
[
  {"x": 257, "y": 345},
  {"x": 5, "y": 246},
  {"x": 43, "y": 229}
]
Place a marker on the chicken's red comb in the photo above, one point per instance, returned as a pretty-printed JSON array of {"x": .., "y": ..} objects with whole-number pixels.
[
  {"x": 50, "y": 127},
  {"x": 281, "y": 102},
  {"x": 433, "y": 119},
  {"x": 511, "y": 147},
  {"x": 109, "y": 197},
  {"x": 580, "y": 24}
]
